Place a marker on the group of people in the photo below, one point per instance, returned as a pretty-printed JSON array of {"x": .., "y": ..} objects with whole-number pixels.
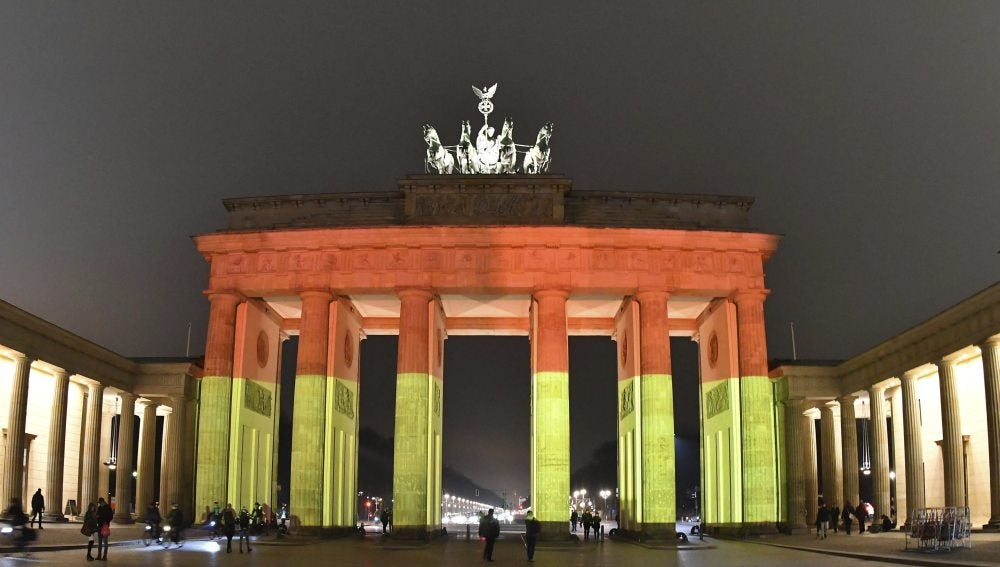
[
  {"x": 228, "y": 521},
  {"x": 831, "y": 517},
  {"x": 590, "y": 520}
]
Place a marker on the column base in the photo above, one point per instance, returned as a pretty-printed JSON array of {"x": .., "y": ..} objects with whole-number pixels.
[
  {"x": 54, "y": 517},
  {"x": 655, "y": 533},
  {"x": 416, "y": 533},
  {"x": 992, "y": 526},
  {"x": 794, "y": 530},
  {"x": 125, "y": 518},
  {"x": 556, "y": 531},
  {"x": 741, "y": 530}
]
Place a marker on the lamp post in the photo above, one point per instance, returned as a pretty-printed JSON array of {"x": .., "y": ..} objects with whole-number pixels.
[{"x": 604, "y": 494}]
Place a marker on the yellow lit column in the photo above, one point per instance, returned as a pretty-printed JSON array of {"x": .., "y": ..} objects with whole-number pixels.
[
  {"x": 796, "y": 464},
  {"x": 849, "y": 450},
  {"x": 91, "y": 456},
  {"x": 760, "y": 490},
  {"x": 991, "y": 377},
  {"x": 212, "y": 465},
  {"x": 126, "y": 460},
  {"x": 811, "y": 472},
  {"x": 951, "y": 429},
  {"x": 13, "y": 464},
  {"x": 550, "y": 412},
  {"x": 144, "y": 492},
  {"x": 57, "y": 448},
  {"x": 414, "y": 464},
  {"x": 833, "y": 477},
  {"x": 879, "y": 442},
  {"x": 656, "y": 411},
  {"x": 309, "y": 423},
  {"x": 912, "y": 443}
]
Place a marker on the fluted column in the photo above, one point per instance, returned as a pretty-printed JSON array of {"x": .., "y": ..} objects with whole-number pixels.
[
  {"x": 656, "y": 411},
  {"x": 897, "y": 487},
  {"x": 912, "y": 443},
  {"x": 91, "y": 458},
  {"x": 13, "y": 461},
  {"x": 550, "y": 420},
  {"x": 833, "y": 479},
  {"x": 212, "y": 465},
  {"x": 309, "y": 425},
  {"x": 951, "y": 434},
  {"x": 144, "y": 490},
  {"x": 57, "y": 448},
  {"x": 879, "y": 442},
  {"x": 760, "y": 482},
  {"x": 849, "y": 450},
  {"x": 808, "y": 441},
  {"x": 991, "y": 378},
  {"x": 795, "y": 465},
  {"x": 126, "y": 460},
  {"x": 175, "y": 488}
]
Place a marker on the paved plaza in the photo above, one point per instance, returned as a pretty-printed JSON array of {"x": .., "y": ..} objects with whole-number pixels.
[{"x": 63, "y": 545}]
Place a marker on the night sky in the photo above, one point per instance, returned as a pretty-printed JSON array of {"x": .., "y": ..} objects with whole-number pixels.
[{"x": 869, "y": 134}]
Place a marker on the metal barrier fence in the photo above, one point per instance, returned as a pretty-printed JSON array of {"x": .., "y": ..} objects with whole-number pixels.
[{"x": 939, "y": 529}]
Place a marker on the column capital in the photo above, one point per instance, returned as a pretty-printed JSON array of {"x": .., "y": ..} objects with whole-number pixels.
[
  {"x": 875, "y": 389},
  {"x": 990, "y": 342},
  {"x": 910, "y": 375},
  {"x": 652, "y": 292},
  {"x": 127, "y": 396},
  {"x": 546, "y": 293},
  {"x": 742, "y": 295},
  {"x": 316, "y": 293},
  {"x": 415, "y": 292},
  {"x": 948, "y": 360},
  {"x": 848, "y": 399}
]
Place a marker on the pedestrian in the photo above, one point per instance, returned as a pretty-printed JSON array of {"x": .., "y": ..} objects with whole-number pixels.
[
  {"x": 489, "y": 528},
  {"x": 822, "y": 520},
  {"x": 861, "y": 513},
  {"x": 532, "y": 528},
  {"x": 215, "y": 519},
  {"x": 390, "y": 520},
  {"x": 89, "y": 528},
  {"x": 835, "y": 517},
  {"x": 37, "y": 507},
  {"x": 176, "y": 520},
  {"x": 573, "y": 519},
  {"x": 104, "y": 516},
  {"x": 586, "y": 518},
  {"x": 229, "y": 526},
  {"x": 595, "y": 523},
  {"x": 384, "y": 519},
  {"x": 244, "y": 522},
  {"x": 847, "y": 515}
]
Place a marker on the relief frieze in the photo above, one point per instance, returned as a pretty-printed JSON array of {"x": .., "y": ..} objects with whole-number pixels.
[
  {"x": 343, "y": 400},
  {"x": 627, "y": 402},
  {"x": 257, "y": 398},
  {"x": 716, "y": 400}
]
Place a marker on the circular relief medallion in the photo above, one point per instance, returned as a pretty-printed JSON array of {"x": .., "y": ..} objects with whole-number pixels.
[
  {"x": 713, "y": 350},
  {"x": 263, "y": 350},
  {"x": 624, "y": 348},
  {"x": 348, "y": 349}
]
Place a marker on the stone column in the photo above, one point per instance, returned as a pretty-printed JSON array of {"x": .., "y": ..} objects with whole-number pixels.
[
  {"x": 144, "y": 490},
  {"x": 656, "y": 406},
  {"x": 174, "y": 452},
  {"x": 833, "y": 478},
  {"x": 412, "y": 463},
  {"x": 912, "y": 443},
  {"x": 90, "y": 468},
  {"x": 879, "y": 441},
  {"x": 550, "y": 420},
  {"x": 13, "y": 463},
  {"x": 991, "y": 377},
  {"x": 897, "y": 478},
  {"x": 212, "y": 464},
  {"x": 849, "y": 449},
  {"x": 796, "y": 465},
  {"x": 760, "y": 489},
  {"x": 126, "y": 460},
  {"x": 951, "y": 429},
  {"x": 808, "y": 441},
  {"x": 57, "y": 449},
  {"x": 309, "y": 425}
]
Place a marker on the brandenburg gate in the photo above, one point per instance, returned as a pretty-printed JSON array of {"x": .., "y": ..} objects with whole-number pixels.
[{"x": 486, "y": 254}]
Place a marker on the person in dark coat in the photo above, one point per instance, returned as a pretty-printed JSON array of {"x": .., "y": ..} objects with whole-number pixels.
[
  {"x": 861, "y": 513},
  {"x": 384, "y": 518},
  {"x": 104, "y": 516},
  {"x": 489, "y": 528},
  {"x": 586, "y": 519},
  {"x": 847, "y": 514},
  {"x": 244, "y": 522},
  {"x": 822, "y": 521},
  {"x": 573, "y": 519},
  {"x": 532, "y": 528},
  {"x": 229, "y": 526},
  {"x": 835, "y": 518},
  {"x": 595, "y": 523},
  {"x": 37, "y": 507},
  {"x": 91, "y": 525}
]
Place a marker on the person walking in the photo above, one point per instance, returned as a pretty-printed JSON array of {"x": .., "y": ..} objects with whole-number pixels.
[
  {"x": 835, "y": 517},
  {"x": 847, "y": 515},
  {"x": 822, "y": 521},
  {"x": 573, "y": 519},
  {"x": 861, "y": 513},
  {"x": 244, "y": 522},
  {"x": 489, "y": 528},
  {"x": 229, "y": 526},
  {"x": 37, "y": 507},
  {"x": 532, "y": 528},
  {"x": 90, "y": 527},
  {"x": 104, "y": 516},
  {"x": 595, "y": 523},
  {"x": 384, "y": 519},
  {"x": 586, "y": 519}
]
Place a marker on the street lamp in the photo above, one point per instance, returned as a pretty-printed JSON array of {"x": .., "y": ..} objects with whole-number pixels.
[{"x": 604, "y": 494}]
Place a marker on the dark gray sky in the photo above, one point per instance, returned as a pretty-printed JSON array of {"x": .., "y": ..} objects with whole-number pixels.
[{"x": 868, "y": 132}]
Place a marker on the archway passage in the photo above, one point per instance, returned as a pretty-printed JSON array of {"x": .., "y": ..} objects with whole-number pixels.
[{"x": 473, "y": 255}]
